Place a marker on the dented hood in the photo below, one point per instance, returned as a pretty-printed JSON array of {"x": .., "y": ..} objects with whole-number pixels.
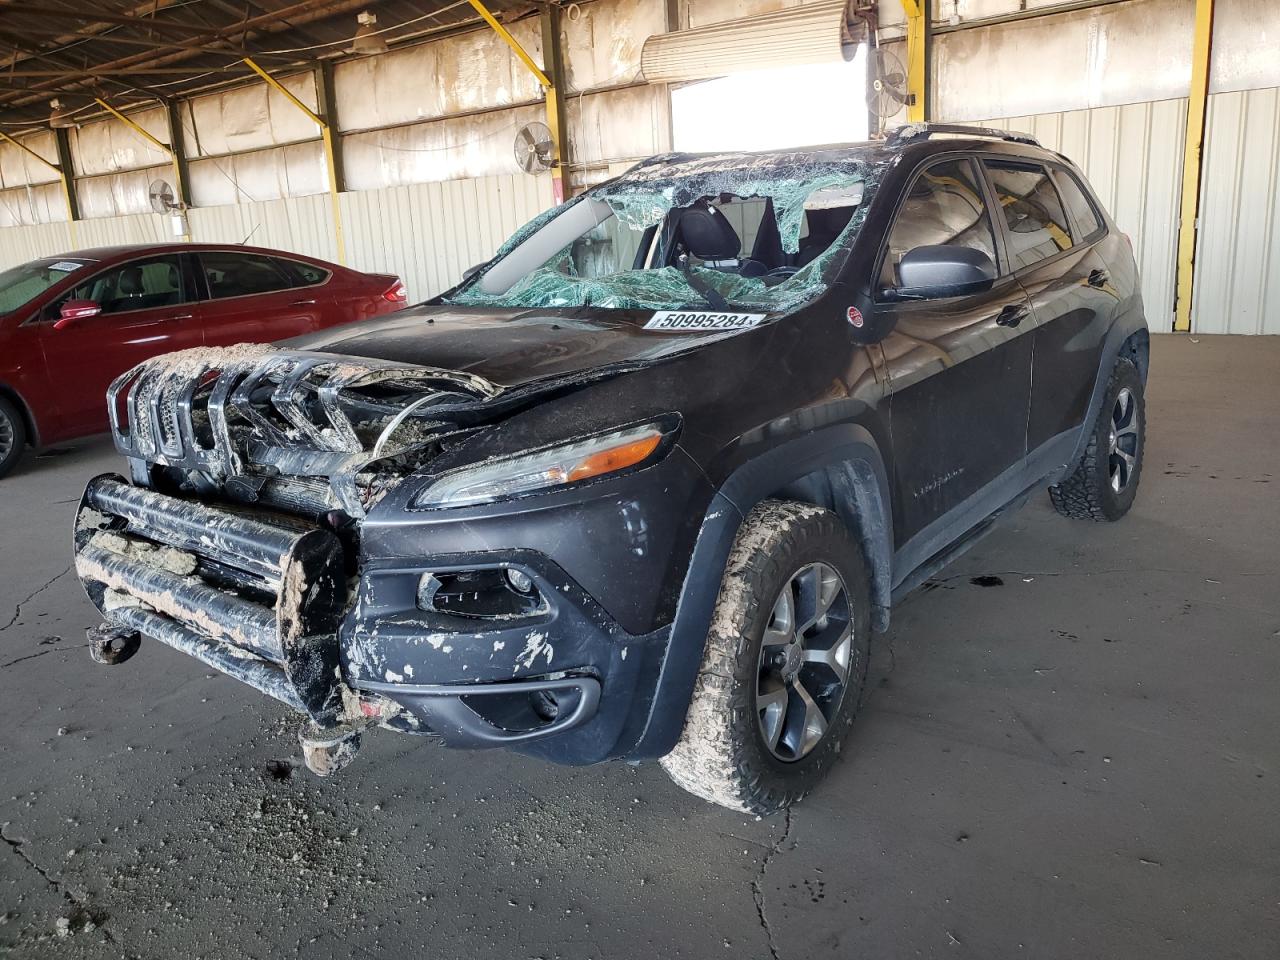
[{"x": 507, "y": 347}]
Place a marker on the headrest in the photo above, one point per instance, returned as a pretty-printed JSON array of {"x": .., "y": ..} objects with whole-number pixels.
[
  {"x": 175, "y": 278},
  {"x": 707, "y": 234},
  {"x": 130, "y": 281}
]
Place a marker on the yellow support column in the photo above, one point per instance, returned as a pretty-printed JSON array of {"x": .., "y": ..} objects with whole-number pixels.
[
  {"x": 1192, "y": 156},
  {"x": 330, "y": 156},
  {"x": 917, "y": 53}
]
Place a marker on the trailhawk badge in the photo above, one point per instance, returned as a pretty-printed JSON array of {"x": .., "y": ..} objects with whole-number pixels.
[{"x": 695, "y": 320}]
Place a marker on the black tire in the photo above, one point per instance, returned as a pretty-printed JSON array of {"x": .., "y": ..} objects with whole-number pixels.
[
  {"x": 724, "y": 754},
  {"x": 13, "y": 436},
  {"x": 1091, "y": 491}
]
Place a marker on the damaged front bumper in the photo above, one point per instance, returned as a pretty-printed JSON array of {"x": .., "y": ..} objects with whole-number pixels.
[{"x": 261, "y": 597}]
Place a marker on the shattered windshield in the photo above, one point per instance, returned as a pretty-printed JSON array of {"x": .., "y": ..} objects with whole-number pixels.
[{"x": 722, "y": 232}]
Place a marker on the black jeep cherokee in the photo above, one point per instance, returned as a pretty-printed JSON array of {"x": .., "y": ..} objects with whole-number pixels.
[{"x": 642, "y": 485}]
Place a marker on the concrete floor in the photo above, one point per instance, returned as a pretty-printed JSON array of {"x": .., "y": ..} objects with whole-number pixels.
[{"x": 1080, "y": 762}]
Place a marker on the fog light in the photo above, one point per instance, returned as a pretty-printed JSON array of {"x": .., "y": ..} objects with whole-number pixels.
[{"x": 519, "y": 580}]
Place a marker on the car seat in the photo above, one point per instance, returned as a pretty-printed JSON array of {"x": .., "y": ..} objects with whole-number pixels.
[{"x": 706, "y": 234}]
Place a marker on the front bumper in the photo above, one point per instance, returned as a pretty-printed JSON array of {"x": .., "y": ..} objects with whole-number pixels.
[{"x": 264, "y": 598}]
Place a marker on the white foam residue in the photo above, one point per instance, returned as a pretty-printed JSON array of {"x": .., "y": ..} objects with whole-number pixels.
[{"x": 535, "y": 646}]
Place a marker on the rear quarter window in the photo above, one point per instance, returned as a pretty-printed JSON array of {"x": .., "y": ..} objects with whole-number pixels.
[
  {"x": 304, "y": 274},
  {"x": 1077, "y": 201}
]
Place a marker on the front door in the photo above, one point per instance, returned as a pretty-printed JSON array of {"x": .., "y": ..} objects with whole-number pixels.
[
  {"x": 959, "y": 371},
  {"x": 148, "y": 309}
]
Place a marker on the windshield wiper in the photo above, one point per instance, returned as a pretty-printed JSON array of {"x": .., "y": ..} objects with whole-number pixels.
[{"x": 710, "y": 295}]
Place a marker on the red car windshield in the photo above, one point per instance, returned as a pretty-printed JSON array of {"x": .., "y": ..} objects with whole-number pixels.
[{"x": 22, "y": 284}]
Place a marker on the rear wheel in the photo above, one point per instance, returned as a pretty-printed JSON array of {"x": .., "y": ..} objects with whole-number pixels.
[
  {"x": 1105, "y": 481},
  {"x": 13, "y": 436},
  {"x": 785, "y": 662}
]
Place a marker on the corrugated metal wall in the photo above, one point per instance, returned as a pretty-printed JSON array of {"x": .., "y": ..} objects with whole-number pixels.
[
  {"x": 1133, "y": 157},
  {"x": 428, "y": 233},
  {"x": 1237, "y": 286}
]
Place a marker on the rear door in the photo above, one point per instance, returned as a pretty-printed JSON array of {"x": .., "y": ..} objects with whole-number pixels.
[
  {"x": 1051, "y": 233},
  {"x": 148, "y": 308},
  {"x": 959, "y": 370},
  {"x": 252, "y": 298}
]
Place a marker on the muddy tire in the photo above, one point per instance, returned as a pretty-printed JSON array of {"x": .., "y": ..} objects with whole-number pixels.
[
  {"x": 785, "y": 662},
  {"x": 1105, "y": 481},
  {"x": 13, "y": 436}
]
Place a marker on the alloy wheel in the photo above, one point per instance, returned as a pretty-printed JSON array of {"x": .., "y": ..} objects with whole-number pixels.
[
  {"x": 1122, "y": 441},
  {"x": 7, "y": 436},
  {"x": 804, "y": 662}
]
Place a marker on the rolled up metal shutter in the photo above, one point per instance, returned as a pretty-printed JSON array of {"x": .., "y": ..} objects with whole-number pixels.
[{"x": 819, "y": 32}]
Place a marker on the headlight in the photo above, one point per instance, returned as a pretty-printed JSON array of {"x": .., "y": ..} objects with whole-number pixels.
[{"x": 558, "y": 466}]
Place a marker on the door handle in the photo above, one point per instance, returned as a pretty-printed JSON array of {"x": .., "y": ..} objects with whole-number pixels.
[
  {"x": 1012, "y": 315},
  {"x": 1098, "y": 278},
  {"x": 303, "y": 303},
  {"x": 180, "y": 316}
]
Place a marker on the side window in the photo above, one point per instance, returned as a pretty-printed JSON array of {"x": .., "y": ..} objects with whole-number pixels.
[
  {"x": 305, "y": 274},
  {"x": 1077, "y": 202},
  {"x": 1037, "y": 226},
  {"x": 241, "y": 274},
  {"x": 139, "y": 285},
  {"x": 944, "y": 206}
]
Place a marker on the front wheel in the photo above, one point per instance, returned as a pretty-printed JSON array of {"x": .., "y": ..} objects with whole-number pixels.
[
  {"x": 1105, "y": 481},
  {"x": 13, "y": 436},
  {"x": 785, "y": 662}
]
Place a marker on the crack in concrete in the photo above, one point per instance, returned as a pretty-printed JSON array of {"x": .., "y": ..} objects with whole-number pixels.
[
  {"x": 79, "y": 902},
  {"x": 757, "y": 886},
  {"x": 17, "y": 610},
  {"x": 32, "y": 656}
]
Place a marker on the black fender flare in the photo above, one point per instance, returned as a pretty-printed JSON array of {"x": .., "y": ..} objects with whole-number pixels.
[
  {"x": 1126, "y": 325},
  {"x": 847, "y": 454}
]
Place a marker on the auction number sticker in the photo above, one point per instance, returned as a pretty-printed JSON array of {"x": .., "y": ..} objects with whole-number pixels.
[{"x": 680, "y": 320}]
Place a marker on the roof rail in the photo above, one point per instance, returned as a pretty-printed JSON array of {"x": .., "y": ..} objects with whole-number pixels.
[{"x": 922, "y": 131}]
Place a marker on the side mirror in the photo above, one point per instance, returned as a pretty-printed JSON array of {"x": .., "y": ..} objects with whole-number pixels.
[
  {"x": 470, "y": 272},
  {"x": 943, "y": 270},
  {"x": 73, "y": 310}
]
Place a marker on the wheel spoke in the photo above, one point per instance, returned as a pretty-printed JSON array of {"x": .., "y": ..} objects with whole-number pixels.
[
  {"x": 819, "y": 587},
  {"x": 773, "y": 714},
  {"x": 782, "y": 622},
  {"x": 1123, "y": 413},
  {"x": 1119, "y": 473},
  {"x": 814, "y": 723},
  {"x": 835, "y": 657}
]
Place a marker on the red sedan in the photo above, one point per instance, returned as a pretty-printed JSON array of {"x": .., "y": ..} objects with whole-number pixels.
[{"x": 71, "y": 324}]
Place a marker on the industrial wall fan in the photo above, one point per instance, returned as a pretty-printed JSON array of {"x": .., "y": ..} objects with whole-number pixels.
[
  {"x": 163, "y": 198},
  {"x": 164, "y": 201},
  {"x": 534, "y": 148},
  {"x": 887, "y": 89}
]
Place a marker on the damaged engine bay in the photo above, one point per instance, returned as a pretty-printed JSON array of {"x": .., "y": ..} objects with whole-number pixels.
[{"x": 303, "y": 432}]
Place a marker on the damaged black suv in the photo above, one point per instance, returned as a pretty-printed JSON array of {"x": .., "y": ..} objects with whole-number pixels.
[{"x": 644, "y": 484}]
